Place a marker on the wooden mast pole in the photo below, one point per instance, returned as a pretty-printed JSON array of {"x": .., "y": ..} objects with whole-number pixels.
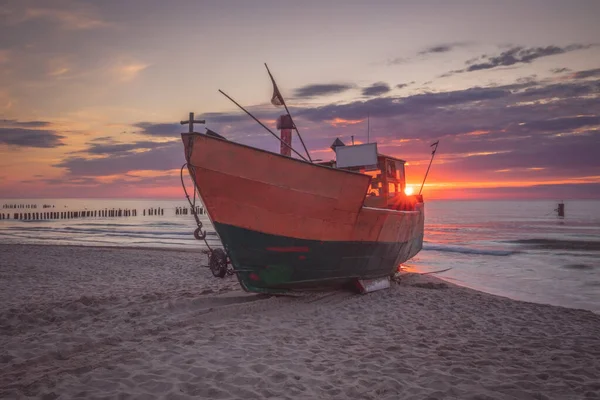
[
  {"x": 261, "y": 124},
  {"x": 288, "y": 113}
]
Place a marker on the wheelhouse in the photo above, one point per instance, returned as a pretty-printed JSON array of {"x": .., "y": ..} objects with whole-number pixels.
[{"x": 388, "y": 177}]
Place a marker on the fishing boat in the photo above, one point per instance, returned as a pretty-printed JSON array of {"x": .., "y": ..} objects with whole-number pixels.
[{"x": 287, "y": 223}]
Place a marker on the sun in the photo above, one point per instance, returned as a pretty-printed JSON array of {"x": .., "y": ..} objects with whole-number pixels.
[{"x": 408, "y": 190}]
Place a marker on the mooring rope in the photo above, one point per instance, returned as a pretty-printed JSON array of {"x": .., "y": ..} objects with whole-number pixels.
[{"x": 198, "y": 234}]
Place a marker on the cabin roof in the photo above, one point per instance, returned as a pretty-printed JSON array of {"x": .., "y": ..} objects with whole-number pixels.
[
  {"x": 390, "y": 157},
  {"x": 331, "y": 162}
]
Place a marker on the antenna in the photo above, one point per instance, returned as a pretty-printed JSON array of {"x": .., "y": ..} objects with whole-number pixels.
[
  {"x": 435, "y": 146},
  {"x": 368, "y": 126}
]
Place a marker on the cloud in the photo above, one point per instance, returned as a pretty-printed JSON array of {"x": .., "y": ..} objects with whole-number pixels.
[
  {"x": 116, "y": 148},
  {"x": 564, "y": 124},
  {"x": 218, "y": 122},
  {"x": 391, "y": 107},
  {"x": 504, "y": 112},
  {"x": 130, "y": 71},
  {"x": 562, "y": 90},
  {"x": 559, "y": 70},
  {"x": 104, "y": 139},
  {"x": 30, "y": 137},
  {"x": 526, "y": 125},
  {"x": 590, "y": 73},
  {"x": 436, "y": 49},
  {"x": 321, "y": 89},
  {"x": 442, "y": 48},
  {"x": 533, "y": 130},
  {"x": 71, "y": 19},
  {"x": 59, "y": 71},
  {"x": 539, "y": 191},
  {"x": 397, "y": 61},
  {"x": 6, "y": 100},
  {"x": 376, "y": 89},
  {"x": 527, "y": 79},
  {"x": 521, "y": 55},
  {"x": 26, "y": 124},
  {"x": 167, "y": 157},
  {"x": 160, "y": 129},
  {"x": 59, "y": 66},
  {"x": 572, "y": 154},
  {"x": 227, "y": 118},
  {"x": 514, "y": 56},
  {"x": 4, "y": 56},
  {"x": 402, "y": 85},
  {"x": 71, "y": 181}
]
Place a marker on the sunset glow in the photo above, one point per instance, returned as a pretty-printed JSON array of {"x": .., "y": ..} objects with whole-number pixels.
[{"x": 91, "y": 94}]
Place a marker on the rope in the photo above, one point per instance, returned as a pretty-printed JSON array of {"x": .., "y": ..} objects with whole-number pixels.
[
  {"x": 432, "y": 272},
  {"x": 201, "y": 235},
  {"x": 436, "y": 272}
]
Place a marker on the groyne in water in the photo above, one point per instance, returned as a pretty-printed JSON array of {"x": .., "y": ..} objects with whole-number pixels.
[{"x": 102, "y": 213}]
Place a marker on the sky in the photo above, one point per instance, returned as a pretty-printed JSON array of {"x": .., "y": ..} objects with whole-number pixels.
[{"x": 92, "y": 92}]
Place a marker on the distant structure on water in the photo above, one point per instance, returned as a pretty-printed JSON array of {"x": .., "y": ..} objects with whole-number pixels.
[{"x": 561, "y": 209}]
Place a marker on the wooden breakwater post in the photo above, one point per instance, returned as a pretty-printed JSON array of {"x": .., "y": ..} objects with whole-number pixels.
[
  {"x": 186, "y": 211},
  {"x": 83, "y": 214},
  {"x": 561, "y": 209},
  {"x": 55, "y": 215},
  {"x": 153, "y": 211},
  {"x": 19, "y": 206}
]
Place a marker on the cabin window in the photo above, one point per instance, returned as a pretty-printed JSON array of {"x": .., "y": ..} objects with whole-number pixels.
[{"x": 400, "y": 176}]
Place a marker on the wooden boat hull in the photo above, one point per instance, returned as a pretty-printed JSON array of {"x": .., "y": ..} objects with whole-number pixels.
[
  {"x": 269, "y": 262},
  {"x": 288, "y": 224}
]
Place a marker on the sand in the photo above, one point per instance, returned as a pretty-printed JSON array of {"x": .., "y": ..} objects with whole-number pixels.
[{"x": 96, "y": 323}]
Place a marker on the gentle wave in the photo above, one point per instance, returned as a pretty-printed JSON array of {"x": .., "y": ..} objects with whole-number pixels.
[
  {"x": 466, "y": 250},
  {"x": 560, "y": 244}
]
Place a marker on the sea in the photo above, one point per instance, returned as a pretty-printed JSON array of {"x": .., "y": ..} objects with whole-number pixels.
[{"x": 518, "y": 249}]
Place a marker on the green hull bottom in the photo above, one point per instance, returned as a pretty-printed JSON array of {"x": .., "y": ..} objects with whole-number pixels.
[{"x": 267, "y": 263}]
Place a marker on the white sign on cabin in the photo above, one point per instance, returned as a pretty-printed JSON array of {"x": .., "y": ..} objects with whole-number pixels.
[{"x": 360, "y": 155}]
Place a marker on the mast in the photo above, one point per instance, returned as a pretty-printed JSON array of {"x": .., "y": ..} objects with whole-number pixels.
[
  {"x": 368, "y": 126},
  {"x": 261, "y": 124},
  {"x": 280, "y": 97}
]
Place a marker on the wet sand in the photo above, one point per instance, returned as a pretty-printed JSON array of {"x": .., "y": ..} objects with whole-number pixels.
[{"x": 79, "y": 322}]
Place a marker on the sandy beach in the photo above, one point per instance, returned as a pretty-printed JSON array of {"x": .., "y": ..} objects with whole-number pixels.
[{"x": 92, "y": 323}]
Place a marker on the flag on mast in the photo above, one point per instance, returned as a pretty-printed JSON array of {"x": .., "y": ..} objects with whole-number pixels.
[{"x": 277, "y": 98}]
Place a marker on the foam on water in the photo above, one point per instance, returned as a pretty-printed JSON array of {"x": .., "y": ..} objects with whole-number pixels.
[{"x": 466, "y": 250}]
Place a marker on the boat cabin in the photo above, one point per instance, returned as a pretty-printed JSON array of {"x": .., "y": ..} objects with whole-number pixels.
[{"x": 388, "y": 179}]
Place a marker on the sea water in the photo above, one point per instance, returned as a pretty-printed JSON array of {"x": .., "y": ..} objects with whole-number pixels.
[{"x": 517, "y": 249}]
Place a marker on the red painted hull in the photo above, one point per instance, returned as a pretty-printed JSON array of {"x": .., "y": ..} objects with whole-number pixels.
[{"x": 270, "y": 194}]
